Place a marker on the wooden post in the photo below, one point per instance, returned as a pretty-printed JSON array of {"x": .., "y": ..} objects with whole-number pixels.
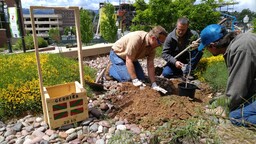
[
  {"x": 79, "y": 45},
  {"x": 38, "y": 61}
]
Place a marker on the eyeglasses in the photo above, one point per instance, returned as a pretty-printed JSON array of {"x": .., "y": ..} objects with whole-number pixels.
[{"x": 159, "y": 42}]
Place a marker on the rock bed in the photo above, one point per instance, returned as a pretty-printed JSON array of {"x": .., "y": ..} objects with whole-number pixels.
[
  {"x": 96, "y": 129},
  {"x": 33, "y": 129}
]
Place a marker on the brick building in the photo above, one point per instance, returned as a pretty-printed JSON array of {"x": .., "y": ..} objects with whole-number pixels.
[{"x": 68, "y": 17}]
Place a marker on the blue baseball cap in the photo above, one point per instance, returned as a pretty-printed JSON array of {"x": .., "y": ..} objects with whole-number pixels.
[{"x": 210, "y": 34}]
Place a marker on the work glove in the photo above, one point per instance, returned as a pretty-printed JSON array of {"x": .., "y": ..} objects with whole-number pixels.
[
  {"x": 136, "y": 82},
  {"x": 158, "y": 88}
]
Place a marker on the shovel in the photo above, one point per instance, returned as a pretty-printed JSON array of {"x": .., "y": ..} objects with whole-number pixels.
[
  {"x": 97, "y": 86},
  {"x": 197, "y": 41}
]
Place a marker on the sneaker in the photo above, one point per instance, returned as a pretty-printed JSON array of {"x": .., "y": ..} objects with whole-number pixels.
[{"x": 107, "y": 76}]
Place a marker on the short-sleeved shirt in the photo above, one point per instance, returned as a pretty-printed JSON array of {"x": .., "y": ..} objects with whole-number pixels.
[{"x": 134, "y": 44}]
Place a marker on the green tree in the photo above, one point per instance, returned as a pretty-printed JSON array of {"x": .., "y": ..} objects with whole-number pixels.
[
  {"x": 67, "y": 30},
  {"x": 54, "y": 34},
  {"x": 202, "y": 15},
  {"x": 108, "y": 28},
  {"x": 254, "y": 25},
  {"x": 142, "y": 19},
  {"x": 30, "y": 43},
  {"x": 245, "y": 12},
  {"x": 86, "y": 26},
  {"x": 166, "y": 13}
]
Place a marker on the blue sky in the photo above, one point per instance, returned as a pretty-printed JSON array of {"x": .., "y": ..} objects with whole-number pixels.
[{"x": 94, "y": 4}]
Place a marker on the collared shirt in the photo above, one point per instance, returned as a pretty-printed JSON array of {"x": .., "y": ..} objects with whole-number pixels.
[
  {"x": 136, "y": 45},
  {"x": 240, "y": 59}
]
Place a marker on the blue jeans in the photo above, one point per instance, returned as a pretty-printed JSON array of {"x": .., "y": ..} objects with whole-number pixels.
[
  {"x": 118, "y": 69},
  {"x": 244, "y": 116},
  {"x": 170, "y": 70}
]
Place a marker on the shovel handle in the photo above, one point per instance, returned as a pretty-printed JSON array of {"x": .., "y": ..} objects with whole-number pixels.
[{"x": 198, "y": 40}]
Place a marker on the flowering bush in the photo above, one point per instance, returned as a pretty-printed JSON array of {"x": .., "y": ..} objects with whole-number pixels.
[
  {"x": 205, "y": 63},
  {"x": 19, "y": 84},
  {"x": 213, "y": 71},
  {"x": 19, "y": 99}
]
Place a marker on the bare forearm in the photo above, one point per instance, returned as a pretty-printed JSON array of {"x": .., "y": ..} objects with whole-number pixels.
[
  {"x": 151, "y": 71},
  {"x": 130, "y": 68}
]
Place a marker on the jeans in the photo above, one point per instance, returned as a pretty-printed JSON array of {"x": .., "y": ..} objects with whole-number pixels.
[
  {"x": 118, "y": 69},
  {"x": 170, "y": 70},
  {"x": 244, "y": 116}
]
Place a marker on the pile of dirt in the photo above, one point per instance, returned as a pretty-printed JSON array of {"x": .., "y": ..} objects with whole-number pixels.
[{"x": 149, "y": 108}]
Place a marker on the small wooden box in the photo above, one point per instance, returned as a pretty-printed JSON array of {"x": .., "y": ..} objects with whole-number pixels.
[{"x": 65, "y": 104}]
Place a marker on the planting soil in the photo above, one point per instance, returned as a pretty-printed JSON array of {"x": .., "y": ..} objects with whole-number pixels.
[{"x": 149, "y": 108}]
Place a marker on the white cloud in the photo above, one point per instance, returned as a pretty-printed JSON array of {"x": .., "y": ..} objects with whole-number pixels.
[
  {"x": 87, "y": 4},
  {"x": 244, "y": 4}
]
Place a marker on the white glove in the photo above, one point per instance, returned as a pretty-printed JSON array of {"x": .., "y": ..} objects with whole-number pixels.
[
  {"x": 137, "y": 82},
  {"x": 158, "y": 88},
  {"x": 194, "y": 44}
]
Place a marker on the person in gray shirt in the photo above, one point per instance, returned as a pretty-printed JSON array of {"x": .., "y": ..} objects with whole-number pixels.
[
  {"x": 176, "y": 42},
  {"x": 239, "y": 51}
]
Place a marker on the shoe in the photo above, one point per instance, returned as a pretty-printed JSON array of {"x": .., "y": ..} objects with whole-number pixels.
[{"x": 106, "y": 75}]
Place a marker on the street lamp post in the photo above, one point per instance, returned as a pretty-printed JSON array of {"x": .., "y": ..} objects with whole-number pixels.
[
  {"x": 117, "y": 33},
  {"x": 70, "y": 35},
  {"x": 18, "y": 4},
  {"x": 245, "y": 20},
  {"x": 7, "y": 27}
]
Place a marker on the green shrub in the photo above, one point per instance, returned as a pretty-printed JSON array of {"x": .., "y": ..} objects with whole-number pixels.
[
  {"x": 213, "y": 70},
  {"x": 254, "y": 25},
  {"x": 19, "y": 85},
  {"x": 122, "y": 137},
  {"x": 188, "y": 131},
  {"x": 2, "y": 49},
  {"x": 159, "y": 51},
  {"x": 30, "y": 43},
  {"x": 216, "y": 75}
]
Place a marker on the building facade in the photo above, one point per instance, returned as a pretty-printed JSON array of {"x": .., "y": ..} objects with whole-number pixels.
[{"x": 43, "y": 23}]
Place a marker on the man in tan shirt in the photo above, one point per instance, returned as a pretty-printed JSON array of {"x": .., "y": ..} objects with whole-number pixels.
[{"x": 131, "y": 47}]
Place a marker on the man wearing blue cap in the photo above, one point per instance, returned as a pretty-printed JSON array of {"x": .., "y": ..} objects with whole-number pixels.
[
  {"x": 239, "y": 52},
  {"x": 177, "y": 41}
]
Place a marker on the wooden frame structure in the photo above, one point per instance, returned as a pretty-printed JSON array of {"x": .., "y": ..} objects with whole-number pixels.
[{"x": 79, "y": 45}]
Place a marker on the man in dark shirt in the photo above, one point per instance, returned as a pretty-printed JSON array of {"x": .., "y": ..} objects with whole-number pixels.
[
  {"x": 239, "y": 52},
  {"x": 176, "y": 41}
]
